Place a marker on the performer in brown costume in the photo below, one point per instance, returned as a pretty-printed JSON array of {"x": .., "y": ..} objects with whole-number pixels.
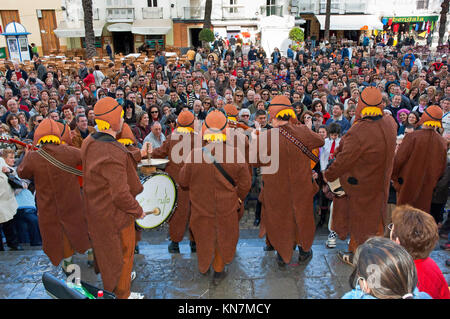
[
  {"x": 420, "y": 161},
  {"x": 58, "y": 197},
  {"x": 110, "y": 184},
  {"x": 179, "y": 220},
  {"x": 65, "y": 133},
  {"x": 214, "y": 199},
  {"x": 127, "y": 139},
  {"x": 287, "y": 196},
  {"x": 364, "y": 166},
  {"x": 240, "y": 139}
]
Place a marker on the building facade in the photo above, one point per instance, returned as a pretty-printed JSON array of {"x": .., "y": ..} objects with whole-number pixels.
[
  {"x": 348, "y": 17},
  {"x": 56, "y": 25},
  {"x": 39, "y": 18}
]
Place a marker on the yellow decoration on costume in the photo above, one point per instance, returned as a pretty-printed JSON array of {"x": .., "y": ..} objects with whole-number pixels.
[
  {"x": 286, "y": 112},
  {"x": 217, "y": 137},
  {"x": 432, "y": 123},
  {"x": 102, "y": 125},
  {"x": 315, "y": 152},
  {"x": 185, "y": 129},
  {"x": 49, "y": 139},
  {"x": 371, "y": 111},
  {"x": 125, "y": 141},
  {"x": 122, "y": 113},
  {"x": 232, "y": 118}
]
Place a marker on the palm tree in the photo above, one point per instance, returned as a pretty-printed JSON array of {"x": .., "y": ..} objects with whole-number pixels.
[
  {"x": 327, "y": 20},
  {"x": 89, "y": 35},
  {"x": 207, "y": 19},
  {"x": 443, "y": 20}
]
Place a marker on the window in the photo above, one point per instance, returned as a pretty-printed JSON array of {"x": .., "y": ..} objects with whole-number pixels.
[
  {"x": 422, "y": 4},
  {"x": 233, "y": 9},
  {"x": 152, "y": 3}
]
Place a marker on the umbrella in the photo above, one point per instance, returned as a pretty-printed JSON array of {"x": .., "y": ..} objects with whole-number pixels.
[
  {"x": 364, "y": 28},
  {"x": 246, "y": 34}
]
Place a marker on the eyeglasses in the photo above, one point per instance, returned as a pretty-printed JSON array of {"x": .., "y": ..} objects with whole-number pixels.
[
  {"x": 207, "y": 103},
  {"x": 308, "y": 117}
]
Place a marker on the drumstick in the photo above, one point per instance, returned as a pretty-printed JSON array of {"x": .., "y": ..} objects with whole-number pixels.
[
  {"x": 148, "y": 155},
  {"x": 155, "y": 212}
]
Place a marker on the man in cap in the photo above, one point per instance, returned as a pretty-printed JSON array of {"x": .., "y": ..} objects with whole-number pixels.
[
  {"x": 184, "y": 133},
  {"x": 216, "y": 191},
  {"x": 61, "y": 211},
  {"x": 425, "y": 149},
  {"x": 110, "y": 185},
  {"x": 287, "y": 214},
  {"x": 363, "y": 165}
]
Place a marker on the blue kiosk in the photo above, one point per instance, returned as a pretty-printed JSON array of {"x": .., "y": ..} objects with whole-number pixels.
[{"x": 17, "y": 41}]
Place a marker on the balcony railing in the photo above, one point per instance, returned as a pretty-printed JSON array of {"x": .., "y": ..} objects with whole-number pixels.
[
  {"x": 119, "y": 14},
  {"x": 337, "y": 6},
  {"x": 152, "y": 13},
  {"x": 272, "y": 10},
  {"x": 194, "y": 13},
  {"x": 95, "y": 14},
  {"x": 233, "y": 12}
]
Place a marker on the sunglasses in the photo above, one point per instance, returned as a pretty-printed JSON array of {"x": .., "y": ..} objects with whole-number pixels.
[
  {"x": 239, "y": 95},
  {"x": 245, "y": 115},
  {"x": 153, "y": 112}
]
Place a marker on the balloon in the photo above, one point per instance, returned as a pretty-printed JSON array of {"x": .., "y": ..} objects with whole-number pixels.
[
  {"x": 390, "y": 22},
  {"x": 384, "y": 21}
]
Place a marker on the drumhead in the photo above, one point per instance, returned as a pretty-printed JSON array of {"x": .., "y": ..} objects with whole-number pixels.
[
  {"x": 160, "y": 191},
  {"x": 153, "y": 162}
]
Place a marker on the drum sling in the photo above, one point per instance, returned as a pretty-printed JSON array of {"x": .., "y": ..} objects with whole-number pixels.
[{"x": 219, "y": 167}]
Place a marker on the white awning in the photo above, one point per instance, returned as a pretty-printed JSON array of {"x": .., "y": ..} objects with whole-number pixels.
[
  {"x": 151, "y": 26},
  {"x": 119, "y": 27},
  {"x": 77, "y": 31},
  {"x": 351, "y": 22}
]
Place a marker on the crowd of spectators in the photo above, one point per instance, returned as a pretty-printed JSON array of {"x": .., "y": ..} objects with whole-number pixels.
[{"x": 323, "y": 83}]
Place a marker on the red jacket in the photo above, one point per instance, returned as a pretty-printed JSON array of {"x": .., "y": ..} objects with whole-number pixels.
[
  {"x": 430, "y": 279},
  {"x": 89, "y": 79}
]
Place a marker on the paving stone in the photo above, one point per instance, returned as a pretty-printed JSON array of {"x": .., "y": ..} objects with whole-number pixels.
[{"x": 276, "y": 288}]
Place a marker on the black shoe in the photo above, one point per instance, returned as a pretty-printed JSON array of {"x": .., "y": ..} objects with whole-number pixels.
[
  {"x": 304, "y": 256},
  {"x": 268, "y": 248},
  {"x": 256, "y": 222},
  {"x": 174, "y": 248},
  {"x": 280, "y": 261},
  {"x": 36, "y": 244},
  {"x": 346, "y": 257},
  {"x": 136, "y": 250},
  {"x": 218, "y": 277},
  {"x": 447, "y": 262},
  {"x": 193, "y": 246},
  {"x": 16, "y": 248}
]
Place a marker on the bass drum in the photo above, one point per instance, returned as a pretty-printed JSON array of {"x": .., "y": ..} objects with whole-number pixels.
[{"x": 159, "y": 195}]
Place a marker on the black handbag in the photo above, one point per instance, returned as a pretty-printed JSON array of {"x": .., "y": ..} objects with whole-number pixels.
[{"x": 14, "y": 181}]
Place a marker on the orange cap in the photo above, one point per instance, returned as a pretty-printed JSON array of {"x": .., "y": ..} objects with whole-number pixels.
[
  {"x": 47, "y": 132},
  {"x": 108, "y": 113}
]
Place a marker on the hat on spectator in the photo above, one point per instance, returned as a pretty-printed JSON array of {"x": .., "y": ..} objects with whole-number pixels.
[
  {"x": 281, "y": 106},
  {"x": 231, "y": 111},
  {"x": 432, "y": 116},
  {"x": 214, "y": 126},
  {"x": 47, "y": 132},
  {"x": 400, "y": 112},
  {"x": 108, "y": 113},
  {"x": 65, "y": 133},
  {"x": 370, "y": 102},
  {"x": 126, "y": 136},
  {"x": 185, "y": 122}
]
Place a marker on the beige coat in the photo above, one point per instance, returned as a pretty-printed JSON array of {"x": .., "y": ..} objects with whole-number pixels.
[{"x": 8, "y": 203}]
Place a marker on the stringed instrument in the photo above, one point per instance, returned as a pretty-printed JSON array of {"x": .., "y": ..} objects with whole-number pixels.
[{"x": 18, "y": 142}]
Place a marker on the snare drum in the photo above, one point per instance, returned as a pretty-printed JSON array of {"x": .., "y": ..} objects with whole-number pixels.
[{"x": 159, "y": 195}]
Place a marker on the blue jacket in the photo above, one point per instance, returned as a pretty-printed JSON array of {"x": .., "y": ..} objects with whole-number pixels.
[
  {"x": 344, "y": 123},
  {"x": 357, "y": 293}
]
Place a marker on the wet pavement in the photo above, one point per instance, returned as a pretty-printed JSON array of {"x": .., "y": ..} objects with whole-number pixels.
[{"x": 253, "y": 274}]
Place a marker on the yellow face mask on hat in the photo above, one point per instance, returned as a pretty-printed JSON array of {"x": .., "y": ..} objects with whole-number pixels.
[
  {"x": 432, "y": 124},
  {"x": 371, "y": 111},
  {"x": 215, "y": 137},
  {"x": 49, "y": 139},
  {"x": 284, "y": 112},
  {"x": 125, "y": 141},
  {"x": 185, "y": 129}
]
